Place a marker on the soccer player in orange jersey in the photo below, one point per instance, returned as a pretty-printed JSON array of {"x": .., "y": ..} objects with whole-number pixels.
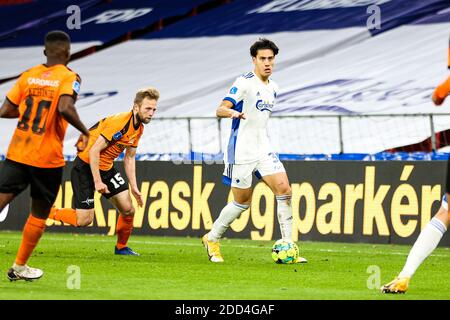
[
  {"x": 433, "y": 232},
  {"x": 93, "y": 169},
  {"x": 442, "y": 90},
  {"x": 43, "y": 99}
]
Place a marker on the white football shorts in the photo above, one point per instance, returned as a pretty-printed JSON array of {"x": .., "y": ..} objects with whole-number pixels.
[{"x": 241, "y": 175}]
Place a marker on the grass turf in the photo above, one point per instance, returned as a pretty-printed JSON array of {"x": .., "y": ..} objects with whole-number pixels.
[{"x": 178, "y": 268}]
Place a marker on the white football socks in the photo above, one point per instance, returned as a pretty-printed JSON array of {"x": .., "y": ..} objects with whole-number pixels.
[
  {"x": 228, "y": 214},
  {"x": 284, "y": 213},
  {"x": 425, "y": 244}
]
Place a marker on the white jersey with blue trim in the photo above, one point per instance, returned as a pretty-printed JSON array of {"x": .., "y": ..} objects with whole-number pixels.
[{"x": 249, "y": 141}]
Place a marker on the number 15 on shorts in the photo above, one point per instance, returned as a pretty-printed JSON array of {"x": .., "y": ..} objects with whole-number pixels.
[{"x": 117, "y": 181}]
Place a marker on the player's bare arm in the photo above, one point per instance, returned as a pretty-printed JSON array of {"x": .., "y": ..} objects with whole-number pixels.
[
  {"x": 441, "y": 92},
  {"x": 129, "y": 162},
  {"x": 225, "y": 110},
  {"x": 94, "y": 159},
  {"x": 66, "y": 107},
  {"x": 9, "y": 110}
]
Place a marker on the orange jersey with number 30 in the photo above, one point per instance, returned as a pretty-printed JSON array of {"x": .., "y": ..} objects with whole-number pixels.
[
  {"x": 38, "y": 138},
  {"x": 119, "y": 131}
]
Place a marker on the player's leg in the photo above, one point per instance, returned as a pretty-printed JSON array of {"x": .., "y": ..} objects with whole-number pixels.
[
  {"x": 45, "y": 184},
  {"x": 83, "y": 197},
  {"x": 271, "y": 171},
  {"x": 274, "y": 175},
  {"x": 5, "y": 198},
  {"x": 122, "y": 202},
  {"x": 425, "y": 244},
  {"x": 241, "y": 202},
  {"x": 120, "y": 197},
  {"x": 239, "y": 177},
  {"x": 13, "y": 180}
]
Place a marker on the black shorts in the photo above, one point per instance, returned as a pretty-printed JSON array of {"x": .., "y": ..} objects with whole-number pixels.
[
  {"x": 84, "y": 188},
  {"x": 45, "y": 182}
]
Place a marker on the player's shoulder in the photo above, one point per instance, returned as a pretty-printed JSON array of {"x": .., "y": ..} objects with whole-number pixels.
[
  {"x": 246, "y": 76},
  {"x": 33, "y": 70},
  {"x": 120, "y": 117},
  {"x": 245, "y": 79},
  {"x": 65, "y": 72}
]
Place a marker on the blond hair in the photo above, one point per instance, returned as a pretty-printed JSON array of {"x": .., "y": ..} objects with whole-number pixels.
[{"x": 150, "y": 93}]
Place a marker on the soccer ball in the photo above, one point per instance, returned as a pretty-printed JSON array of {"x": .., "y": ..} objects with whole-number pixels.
[{"x": 284, "y": 252}]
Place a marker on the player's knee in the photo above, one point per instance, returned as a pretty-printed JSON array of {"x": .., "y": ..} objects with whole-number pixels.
[
  {"x": 85, "y": 218},
  {"x": 245, "y": 202},
  {"x": 443, "y": 215},
  {"x": 284, "y": 189},
  {"x": 244, "y": 199},
  {"x": 128, "y": 211}
]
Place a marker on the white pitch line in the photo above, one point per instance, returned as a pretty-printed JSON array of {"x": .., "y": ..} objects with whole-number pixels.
[{"x": 387, "y": 252}]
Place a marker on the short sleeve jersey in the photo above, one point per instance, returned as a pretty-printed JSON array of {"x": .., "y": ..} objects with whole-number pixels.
[
  {"x": 248, "y": 140},
  {"x": 39, "y": 136},
  {"x": 120, "y": 131}
]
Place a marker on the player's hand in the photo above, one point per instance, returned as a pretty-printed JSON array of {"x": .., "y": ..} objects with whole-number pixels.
[
  {"x": 101, "y": 187},
  {"x": 436, "y": 100},
  {"x": 82, "y": 142},
  {"x": 138, "y": 196},
  {"x": 237, "y": 115}
]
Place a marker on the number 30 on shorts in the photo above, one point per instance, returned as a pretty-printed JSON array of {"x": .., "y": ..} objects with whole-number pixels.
[{"x": 117, "y": 180}]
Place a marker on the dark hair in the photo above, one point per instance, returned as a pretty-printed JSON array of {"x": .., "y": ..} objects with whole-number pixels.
[
  {"x": 263, "y": 43},
  {"x": 56, "y": 35}
]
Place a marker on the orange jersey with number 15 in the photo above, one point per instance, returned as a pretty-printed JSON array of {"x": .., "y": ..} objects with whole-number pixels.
[
  {"x": 38, "y": 138},
  {"x": 120, "y": 131}
]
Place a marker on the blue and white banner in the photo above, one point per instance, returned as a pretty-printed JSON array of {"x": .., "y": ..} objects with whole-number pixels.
[
  {"x": 88, "y": 23},
  {"x": 330, "y": 63}
]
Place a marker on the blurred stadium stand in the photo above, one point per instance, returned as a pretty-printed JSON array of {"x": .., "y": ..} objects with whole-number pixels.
[{"x": 334, "y": 72}]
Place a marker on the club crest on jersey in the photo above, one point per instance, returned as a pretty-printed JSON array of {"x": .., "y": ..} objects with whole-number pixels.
[
  {"x": 117, "y": 135},
  {"x": 264, "y": 105},
  {"x": 233, "y": 90}
]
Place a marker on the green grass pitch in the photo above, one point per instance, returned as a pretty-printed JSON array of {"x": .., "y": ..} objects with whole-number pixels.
[{"x": 178, "y": 268}]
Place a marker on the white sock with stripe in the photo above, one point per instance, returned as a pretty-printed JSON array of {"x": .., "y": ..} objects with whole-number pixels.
[
  {"x": 425, "y": 244},
  {"x": 284, "y": 213},
  {"x": 228, "y": 214}
]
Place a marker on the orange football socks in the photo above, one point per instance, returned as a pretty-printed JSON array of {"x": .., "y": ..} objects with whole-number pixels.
[
  {"x": 32, "y": 232},
  {"x": 66, "y": 215},
  {"x": 123, "y": 229}
]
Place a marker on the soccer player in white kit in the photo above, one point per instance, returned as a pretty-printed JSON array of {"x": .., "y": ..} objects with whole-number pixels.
[
  {"x": 249, "y": 103},
  {"x": 433, "y": 232}
]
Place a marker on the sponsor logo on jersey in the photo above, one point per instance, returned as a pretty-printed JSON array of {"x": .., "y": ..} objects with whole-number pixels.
[
  {"x": 264, "y": 105},
  {"x": 43, "y": 82}
]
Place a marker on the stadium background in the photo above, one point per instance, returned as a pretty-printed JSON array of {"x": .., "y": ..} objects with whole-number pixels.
[{"x": 353, "y": 93}]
